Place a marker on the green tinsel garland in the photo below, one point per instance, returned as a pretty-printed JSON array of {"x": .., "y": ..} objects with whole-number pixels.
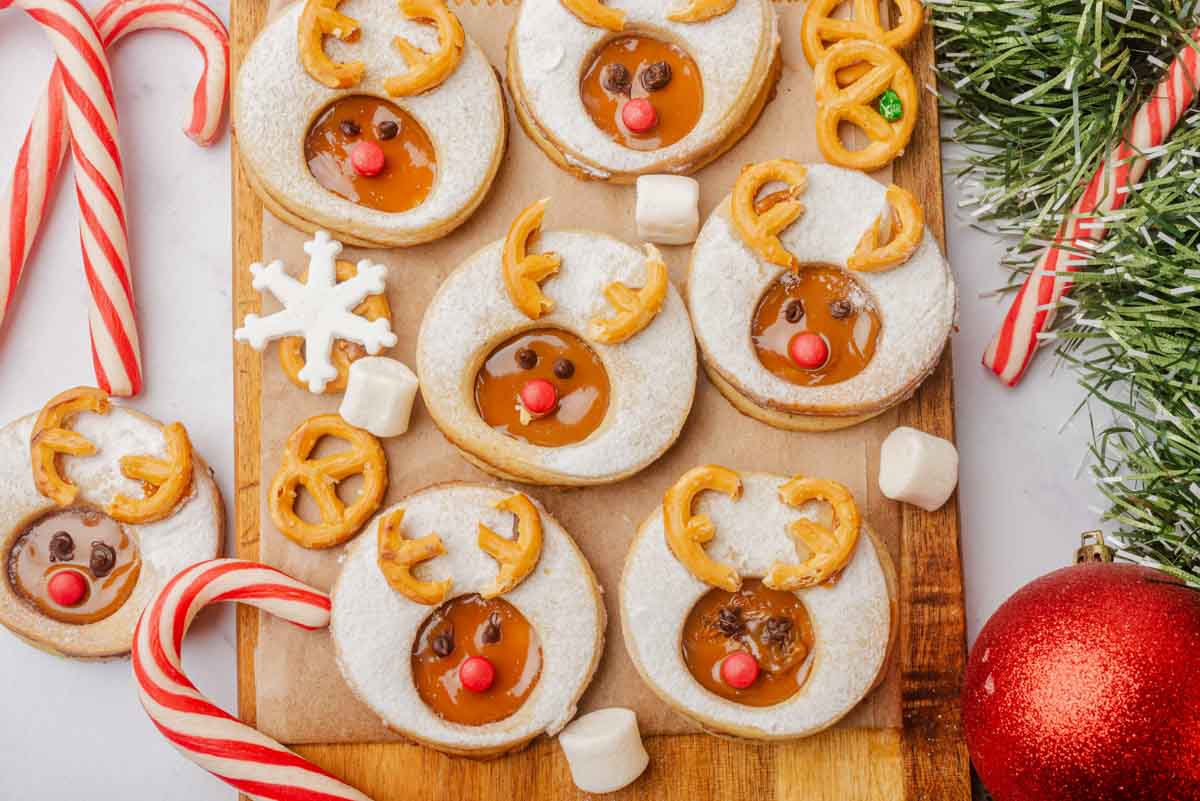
[{"x": 1037, "y": 92}]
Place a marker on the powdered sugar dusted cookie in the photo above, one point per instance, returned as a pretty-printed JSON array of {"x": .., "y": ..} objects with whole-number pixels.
[
  {"x": 729, "y": 610},
  {"x": 618, "y": 89},
  {"x": 468, "y": 619},
  {"x": 389, "y": 138},
  {"x": 561, "y": 358},
  {"x": 822, "y": 304},
  {"x": 99, "y": 507}
]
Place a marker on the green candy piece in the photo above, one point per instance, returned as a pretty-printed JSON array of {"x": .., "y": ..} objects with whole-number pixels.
[{"x": 890, "y": 106}]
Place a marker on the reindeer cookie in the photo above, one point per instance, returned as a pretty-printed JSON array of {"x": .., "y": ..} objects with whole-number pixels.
[
  {"x": 818, "y": 298},
  {"x": 99, "y": 507},
  {"x": 757, "y": 605},
  {"x": 468, "y": 619},
  {"x": 561, "y": 358},
  {"x": 381, "y": 121},
  {"x": 612, "y": 90}
]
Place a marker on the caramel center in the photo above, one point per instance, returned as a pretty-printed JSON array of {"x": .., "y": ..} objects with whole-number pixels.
[
  {"x": 87, "y": 542},
  {"x": 635, "y": 66},
  {"x": 772, "y": 626},
  {"x": 469, "y": 626},
  {"x": 563, "y": 359},
  {"x": 410, "y": 165},
  {"x": 825, "y": 301}
]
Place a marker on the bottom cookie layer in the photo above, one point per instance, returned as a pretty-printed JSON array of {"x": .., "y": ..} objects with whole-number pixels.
[{"x": 787, "y": 421}]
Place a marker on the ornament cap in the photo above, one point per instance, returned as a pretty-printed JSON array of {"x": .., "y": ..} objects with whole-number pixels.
[{"x": 1093, "y": 548}]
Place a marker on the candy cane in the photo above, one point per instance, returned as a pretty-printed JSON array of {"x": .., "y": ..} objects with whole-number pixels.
[
  {"x": 204, "y": 733},
  {"x": 1032, "y": 311},
  {"x": 42, "y": 152}
]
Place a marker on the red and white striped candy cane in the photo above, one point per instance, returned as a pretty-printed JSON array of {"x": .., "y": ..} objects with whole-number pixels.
[
  {"x": 1032, "y": 311},
  {"x": 216, "y": 741},
  {"x": 24, "y": 207}
]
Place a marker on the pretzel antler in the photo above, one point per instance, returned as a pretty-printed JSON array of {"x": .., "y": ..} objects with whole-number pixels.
[
  {"x": 518, "y": 557},
  {"x": 596, "y": 14},
  {"x": 51, "y": 438},
  {"x": 171, "y": 479},
  {"x": 398, "y": 555},
  {"x": 319, "y": 19},
  {"x": 687, "y": 533},
  {"x": 427, "y": 70},
  {"x": 831, "y": 549},
  {"x": 635, "y": 308},
  {"x": 908, "y": 228},
  {"x": 761, "y": 231},
  {"x": 524, "y": 271},
  {"x": 701, "y": 10}
]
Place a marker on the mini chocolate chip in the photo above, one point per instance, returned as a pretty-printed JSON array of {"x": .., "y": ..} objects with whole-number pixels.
[
  {"x": 103, "y": 560},
  {"x": 564, "y": 368},
  {"x": 793, "y": 311},
  {"x": 62, "y": 547},
  {"x": 841, "y": 309},
  {"x": 616, "y": 79},
  {"x": 350, "y": 128},
  {"x": 656, "y": 76},
  {"x": 729, "y": 621},
  {"x": 388, "y": 129},
  {"x": 491, "y": 632},
  {"x": 527, "y": 358},
  {"x": 443, "y": 644},
  {"x": 778, "y": 630}
]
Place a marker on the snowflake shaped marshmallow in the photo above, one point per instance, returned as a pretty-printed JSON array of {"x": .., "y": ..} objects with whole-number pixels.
[{"x": 320, "y": 310}]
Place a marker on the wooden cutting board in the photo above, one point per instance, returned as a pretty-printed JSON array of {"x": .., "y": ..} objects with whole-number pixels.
[{"x": 923, "y": 759}]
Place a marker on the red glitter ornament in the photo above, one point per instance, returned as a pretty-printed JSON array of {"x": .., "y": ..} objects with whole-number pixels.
[{"x": 1085, "y": 686}]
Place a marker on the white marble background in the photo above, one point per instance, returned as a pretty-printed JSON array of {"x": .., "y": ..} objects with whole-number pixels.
[{"x": 67, "y": 729}]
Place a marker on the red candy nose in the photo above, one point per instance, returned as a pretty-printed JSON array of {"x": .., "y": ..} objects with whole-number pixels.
[
  {"x": 67, "y": 587},
  {"x": 367, "y": 158},
  {"x": 639, "y": 115},
  {"x": 477, "y": 674},
  {"x": 808, "y": 350},
  {"x": 539, "y": 396},
  {"x": 739, "y": 670}
]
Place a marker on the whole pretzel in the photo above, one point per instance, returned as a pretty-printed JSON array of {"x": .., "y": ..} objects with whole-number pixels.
[
  {"x": 427, "y": 70},
  {"x": 854, "y": 104},
  {"x": 636, "y": 308},
  {"x": 525, "y": 271},
  {"x": 687, "y": 533},
  {"x": 343, "y": 354},
  {"x": 819, "y": 27},
  {"x": 51, "y": 438},
  {"x": 167, "y": 481},
  {"x": 320, "y": 477},
  {"x": 761, "y": 231},
  {"x": 908, "y": 228},
  {"x": 830, "y": 548}
]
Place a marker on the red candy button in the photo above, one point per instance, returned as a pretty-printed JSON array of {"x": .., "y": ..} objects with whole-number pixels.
[
  {"x": 739, "y": 670},
  {"x": 639, "y": 115},
  {"x": 477, "y": 674},
  {"x": 539, "y": 396},
  {"x": 808, "y": 350},
  {"x": 367, "y": 158},
  {"x": 67, "y": 587}
]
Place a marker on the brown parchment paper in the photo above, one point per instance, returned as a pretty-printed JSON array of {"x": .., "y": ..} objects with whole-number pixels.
[{"x": 301, "y": 697}]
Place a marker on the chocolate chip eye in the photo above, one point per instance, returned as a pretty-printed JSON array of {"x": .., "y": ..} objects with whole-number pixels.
[
  {"x": 443, "y": 644},
  {"x": 793, "y": 311},
  {"x": 527, "y": 358},
  {"x": 491, "y": 632},
  {"x": 103, "y": 560},
  {"x": 350, "y": 128},
  {"x": 778, "y": 630},
  {"x": 564, "y": 368},
  {"x": 841, "y": 309},
  {"x": 616, "y": 79},
  {"x": 62, "y": 547},
  {"x": 729, "y": 621},
  {"x": 656, "y": 76},
  {"x": 388, "y": 129}
]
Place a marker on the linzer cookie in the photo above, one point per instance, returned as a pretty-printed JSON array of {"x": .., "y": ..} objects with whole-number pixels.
[
  {"x": 467, "y": 618},
  {"x": 563, "y": 357},
  {"x": 757, "y": 605},
  {"x": 381, "y": 122},
  {"x": 99, "y": 507},
  {"x": 819, "y": 304},
  {"x": 615, "y": 90}
]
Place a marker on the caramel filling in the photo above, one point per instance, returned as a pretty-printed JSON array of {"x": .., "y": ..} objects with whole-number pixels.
[
  {"x": 410, "y": 166},
  {"x": 469, "y": 626},
  {"x": 631, "y": 67},
  {"x": 826, "y": 301},
  {"x": 87, "y": 542},
  {"x": 576, "y": 372},
  {"x": 770, "y": 625}
]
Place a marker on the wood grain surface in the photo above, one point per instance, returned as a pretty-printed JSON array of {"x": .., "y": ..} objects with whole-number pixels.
[{"x": 926, "y": 760}]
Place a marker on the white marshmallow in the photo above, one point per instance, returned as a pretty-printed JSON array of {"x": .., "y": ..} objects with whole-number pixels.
[
  {"x": 604, "y": 750},
  {"x": 918, "y": 468},
  {"x": 379, "y": 396},
  {"x": 668, "y": 209}
]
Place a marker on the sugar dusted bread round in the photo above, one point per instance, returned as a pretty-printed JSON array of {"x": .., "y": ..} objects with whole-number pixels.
[
  {"x": 276, "y": 103},
  {"x": 851, "y": 617},
  {"x": 193, "y": 531},
  {"x": 652, "y": 375},
  {"x": 736, "y": 54},
  {"x": 915, "y": 301},
  {"x": 374, "y": 627}
]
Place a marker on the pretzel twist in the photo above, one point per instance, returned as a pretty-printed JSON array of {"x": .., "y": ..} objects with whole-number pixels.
[
  {"x": 635, "y": 308},
  {"x": 908, "y": 228},
  {"x": 427, "y": 70},
  {"x": 687, "y": 533},
  {"x": 701, "y": 10},
  {"x": 518, "y": 557},
  {"x": 524, "y": 271},
  {"x": 167, "y": 481},
  {"x": 51, "y": 438},
  {"x": 830, "y": 548},
  {"x": 320, "y": 18},
  {"x": 820, "y": 26},
  {"x": 398, "y": 556},
  {"x": 596, "y": 14},
  {"x": 761, "y": 231}
]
